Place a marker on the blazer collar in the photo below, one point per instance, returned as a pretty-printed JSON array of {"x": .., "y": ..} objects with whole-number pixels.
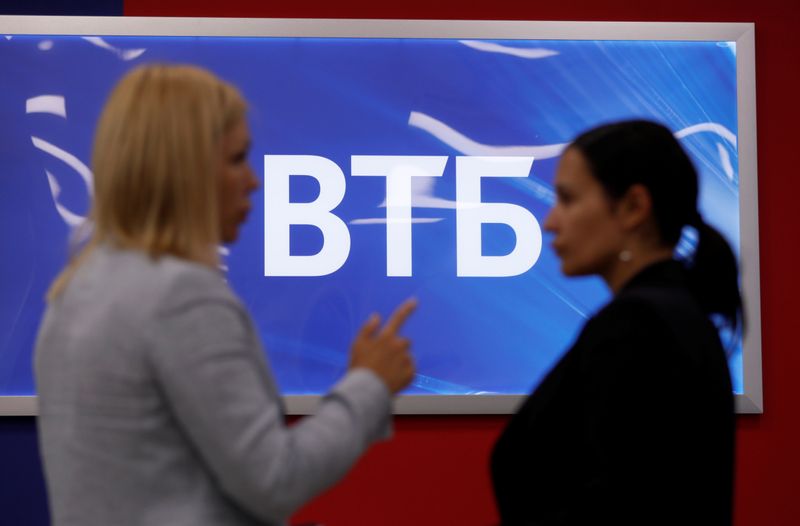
[{"x": 666, "y": 273}]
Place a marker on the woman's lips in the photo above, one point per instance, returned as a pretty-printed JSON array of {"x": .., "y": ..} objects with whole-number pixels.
[{"x": 244, "y": 213}]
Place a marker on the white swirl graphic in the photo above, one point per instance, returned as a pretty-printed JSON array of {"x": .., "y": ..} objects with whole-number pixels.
[
  {"x": 56, "y": 105},
  {"x": 467, "y": 146},
  {"x": 521, "y": 52},
  {"x": 460, "y": 142},
  {"x": 383, "y": 220},
  {"x": 124, "y": 54},
  {"x": 421, "y": 196},
  {"x": 711, "y": 127},
  {"x": 53, "y": 104},
  {"x": 725, "y": 160},
  {"x": 70, "y": 218},
  {"x": 69, "y": 159}
]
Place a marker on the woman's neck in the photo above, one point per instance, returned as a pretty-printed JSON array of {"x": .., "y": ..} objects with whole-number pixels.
[{"x": 623, "y": 271}]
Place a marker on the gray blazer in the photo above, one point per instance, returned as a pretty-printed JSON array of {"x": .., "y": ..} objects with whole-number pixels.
[{"x": 156, "y": 405}]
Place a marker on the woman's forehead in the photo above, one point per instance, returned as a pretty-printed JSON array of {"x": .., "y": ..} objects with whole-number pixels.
[{"x": 573, "y": 170}]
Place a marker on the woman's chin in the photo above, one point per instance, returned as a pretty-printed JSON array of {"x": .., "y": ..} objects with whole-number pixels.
[
  {"x": 572, "y": 270},
  {"x": 230, "y": 237}
]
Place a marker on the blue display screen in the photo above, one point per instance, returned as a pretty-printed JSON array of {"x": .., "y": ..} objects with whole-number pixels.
[{"x": 399, "y": 128}]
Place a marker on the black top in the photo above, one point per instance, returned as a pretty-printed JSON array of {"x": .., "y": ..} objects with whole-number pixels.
[{"x": 635, "y": 424}]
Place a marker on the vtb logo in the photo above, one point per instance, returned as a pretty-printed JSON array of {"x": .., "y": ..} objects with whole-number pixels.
[{"x": 471, "y": 213}]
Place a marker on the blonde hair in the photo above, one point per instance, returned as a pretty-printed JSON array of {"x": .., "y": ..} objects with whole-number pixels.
[{"x": 156, "y": 149}]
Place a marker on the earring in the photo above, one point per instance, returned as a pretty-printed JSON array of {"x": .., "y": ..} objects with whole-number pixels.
[{"x": 625, "y": 255}]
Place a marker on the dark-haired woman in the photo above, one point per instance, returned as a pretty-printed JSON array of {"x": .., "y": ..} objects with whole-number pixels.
[{"x": 635, "y": 424}]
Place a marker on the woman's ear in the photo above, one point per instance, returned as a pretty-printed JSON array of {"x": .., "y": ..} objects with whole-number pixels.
[{"x": 635, "y": 207}]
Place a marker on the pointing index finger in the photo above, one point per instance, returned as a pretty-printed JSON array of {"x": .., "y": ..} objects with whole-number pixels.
[{"x": 399, "y": 316}]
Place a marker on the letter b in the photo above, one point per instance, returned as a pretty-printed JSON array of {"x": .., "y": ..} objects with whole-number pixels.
[
  {"x": 471, "y": 213},
  {"x": 280, "y": 214}
]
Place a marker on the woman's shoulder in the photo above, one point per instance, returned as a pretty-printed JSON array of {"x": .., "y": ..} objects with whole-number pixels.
[
  {"x": 132, "y": 277},
  {"x": 625, "y": 317},
  {"x": 659, "y": 294},
  {"x": 645, "y": 323},
  {"x": 647, "y": 312}
]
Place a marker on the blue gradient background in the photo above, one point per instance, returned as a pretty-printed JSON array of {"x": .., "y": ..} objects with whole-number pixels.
[{"x": 341, "y": 97}]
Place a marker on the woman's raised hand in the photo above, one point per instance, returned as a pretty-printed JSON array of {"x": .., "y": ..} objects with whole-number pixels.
[{"x": 383, "y": 350}]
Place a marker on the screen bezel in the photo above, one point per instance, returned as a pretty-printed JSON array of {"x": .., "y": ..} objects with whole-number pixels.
[{"x": 743, "y": 34}]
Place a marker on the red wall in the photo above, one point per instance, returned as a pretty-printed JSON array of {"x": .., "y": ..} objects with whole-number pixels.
[{"x": 434, "y": 471}]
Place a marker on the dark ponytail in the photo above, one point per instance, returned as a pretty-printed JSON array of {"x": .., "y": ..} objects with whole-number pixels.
[
  {"x": 714, "y": 276},
  {"x": 642, "y": 152}
]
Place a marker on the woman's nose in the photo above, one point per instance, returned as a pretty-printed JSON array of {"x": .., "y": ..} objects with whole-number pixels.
[
  {"x": 549, "y": 221},
  {"x": 252, "y": 180}
]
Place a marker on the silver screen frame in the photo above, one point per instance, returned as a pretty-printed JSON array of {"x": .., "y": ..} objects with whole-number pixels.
[{"x": 750, "y": 401}]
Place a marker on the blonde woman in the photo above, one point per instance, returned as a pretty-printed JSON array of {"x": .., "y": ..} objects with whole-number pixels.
[{"x": 155, "y": 403}]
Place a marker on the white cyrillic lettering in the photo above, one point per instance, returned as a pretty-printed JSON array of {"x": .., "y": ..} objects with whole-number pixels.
[
  {"x": 280, "y": 214},
  {"x": 398, "y": 171},
  {"x": 471, "y": 213}
]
